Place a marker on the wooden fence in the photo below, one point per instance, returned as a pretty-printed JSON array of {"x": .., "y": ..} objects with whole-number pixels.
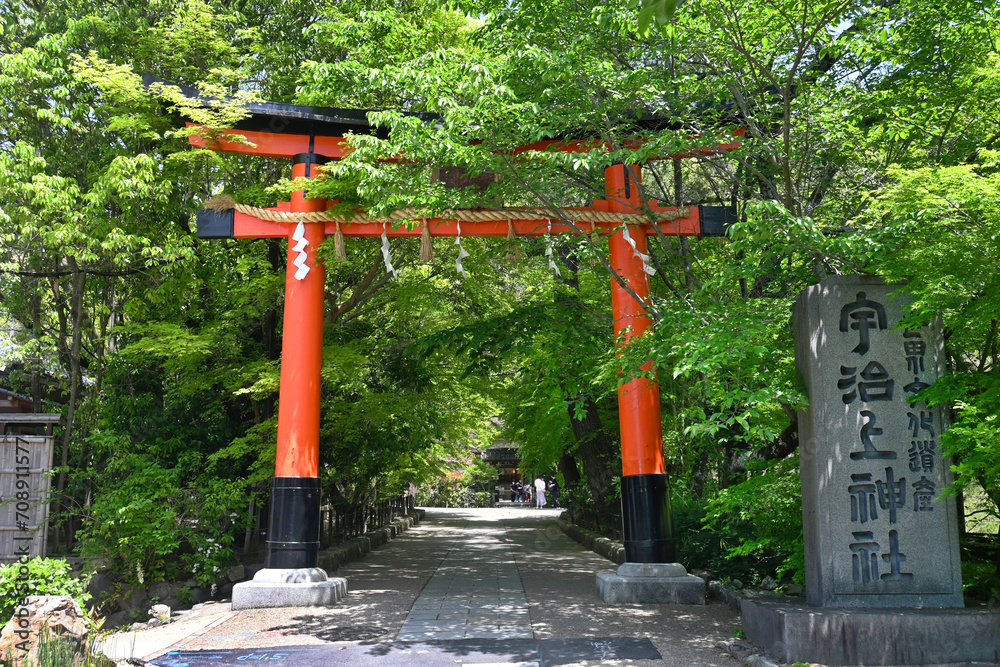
[
  {"x": 26, "y": 446},
  {"x": 586, "y": 516},
  {"x": 337, "y": 526}
]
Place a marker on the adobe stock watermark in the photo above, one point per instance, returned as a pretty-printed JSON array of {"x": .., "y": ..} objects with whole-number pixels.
[
  {"x": 24, "y": 537},
  {"x": 544, "y": 540}
]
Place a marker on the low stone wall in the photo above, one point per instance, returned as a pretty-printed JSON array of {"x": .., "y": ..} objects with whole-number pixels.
[
  {"x": 356, "y": 549},
  {"x": 613, "y": 550}
]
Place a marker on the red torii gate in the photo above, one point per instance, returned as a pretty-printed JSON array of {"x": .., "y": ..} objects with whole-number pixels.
[{"x": 311, "y": 136}]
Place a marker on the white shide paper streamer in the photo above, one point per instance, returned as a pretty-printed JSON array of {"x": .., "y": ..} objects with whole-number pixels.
[
  {"x": 635, "y": 252},
  {"x": 299, "y": 235},
  {"x": 385, "y": 253},
  {"x": 548, "y": 251},
  {"x": 462, "y": 253}
]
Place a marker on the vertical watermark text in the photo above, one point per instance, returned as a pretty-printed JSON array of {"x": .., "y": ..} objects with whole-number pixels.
[{"x": 23, "y": 539}]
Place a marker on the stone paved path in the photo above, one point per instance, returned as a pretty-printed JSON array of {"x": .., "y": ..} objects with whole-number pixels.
[
  {"x": 488, "y": 587},
  {"x": 475, "y": 593}
]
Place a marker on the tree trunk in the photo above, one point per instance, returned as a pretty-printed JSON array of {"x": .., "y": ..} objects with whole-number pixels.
[
  {"x": 103, "y": 344},
  {"x": 76, "y": 314},
  {"x": 782, "y": 446},
  {"x": 569, "y": 469},
  {"x": 36, "y": 331},
  {"x": 597, "y": 452},
  {"x": 272, "y": 342},
  {"x": 678, "y": 183}
]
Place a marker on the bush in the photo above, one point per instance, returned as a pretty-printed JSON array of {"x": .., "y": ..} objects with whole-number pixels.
[
  {"x": 759, "y": 521},
  {"x": 470, "y": 498},
  {"x": 472, "y": 489},
  {"x": 979, "y": 579},
  {"x": 44, "y": 576},
  {"x": 702, "y": 544},
  {"x": 185, "y": 598},
  {"x": 442, "y": 492},
  {"x": 141, "y": 518}
]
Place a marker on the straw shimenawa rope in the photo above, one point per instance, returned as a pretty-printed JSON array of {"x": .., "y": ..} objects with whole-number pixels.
[
  {"x": 226, "y": 203},
  {"x": 220, "y": 203},
  {"x": 339, "y": 248},
  {"x": 460, "y": 215},
  {"x": 426, "y": 248},
  {"x": 513, "y": 250}
]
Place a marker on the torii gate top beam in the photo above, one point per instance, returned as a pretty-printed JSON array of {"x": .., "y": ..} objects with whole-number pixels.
[
  {"x": 285, "y": 130},
  {"x": 283, "y": 145},
  {"x": 290, "y": 130},
  {"x": 287, "y": 145}
]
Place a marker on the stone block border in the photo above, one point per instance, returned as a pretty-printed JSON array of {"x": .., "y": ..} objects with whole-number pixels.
[
  {"x": 612, "y": 550},
  {"x": 356, "y": 549}
]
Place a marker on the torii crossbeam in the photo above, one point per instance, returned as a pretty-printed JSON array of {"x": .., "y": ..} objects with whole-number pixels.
[{"x": 311, "y": 136}]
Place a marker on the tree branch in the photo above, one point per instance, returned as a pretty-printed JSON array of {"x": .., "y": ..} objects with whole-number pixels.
[{"x": 91, "y": 272}]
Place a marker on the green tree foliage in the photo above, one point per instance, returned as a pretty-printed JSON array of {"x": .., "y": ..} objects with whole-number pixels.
[
  {"x": 869, "y": 147},
  {"x": 761, "y": 518},
  {"x": 831, "y": 95},
  {"x": 941, "y": 227},
  {"x": 172, "y": 345}
]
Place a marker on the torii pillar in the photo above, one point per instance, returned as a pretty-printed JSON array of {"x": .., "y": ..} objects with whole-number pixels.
[
  {"x": 293, "y": 535},
  {"x": 651, "y": 573},
  {"x": 292, "y": 576}
]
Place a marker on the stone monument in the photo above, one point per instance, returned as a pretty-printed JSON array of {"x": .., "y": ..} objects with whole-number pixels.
[
  {"x": 878, "y": 531},
  {"x": 881, "y": 539}
]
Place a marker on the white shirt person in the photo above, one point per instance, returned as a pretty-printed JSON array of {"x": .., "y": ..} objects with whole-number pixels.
[{"x": 540, "y": 492}]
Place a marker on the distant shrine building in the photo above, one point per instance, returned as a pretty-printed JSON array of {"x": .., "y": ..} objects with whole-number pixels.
[
  {"x": 506, "y": 457},
  {"x": 15, "y": 403}
]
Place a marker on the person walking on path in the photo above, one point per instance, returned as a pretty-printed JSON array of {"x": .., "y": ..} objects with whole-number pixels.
[
  {"x": 554, "y": 490},
  {"x": 540, "y": 492}
]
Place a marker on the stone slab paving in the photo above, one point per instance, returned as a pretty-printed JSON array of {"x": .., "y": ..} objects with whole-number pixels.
[
  {"x": 476, "y": 592},
  {"x": 559, "y": 578},
  {"x": 461, "y": 571},
  {"x": 479, "y": 652},
  {"x": 125, "y": 645},
  {"x": 381, "y": 589},
  {"x": 474, "y": 580}
]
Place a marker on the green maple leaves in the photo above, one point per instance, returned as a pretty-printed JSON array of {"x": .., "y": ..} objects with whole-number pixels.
[{"x": 650, "y": 11}]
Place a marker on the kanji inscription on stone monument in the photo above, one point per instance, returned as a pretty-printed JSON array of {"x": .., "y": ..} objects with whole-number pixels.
[{"x": 878, "y": 531}]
